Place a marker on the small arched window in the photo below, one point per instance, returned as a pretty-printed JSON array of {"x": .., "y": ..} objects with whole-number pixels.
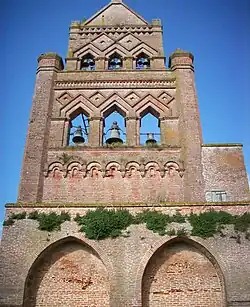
[
  {"x": 142, "y": 61},
  {"x": 78, "y": 128},
  {"x": 150, "y": 127},
  {"x": 88, "y": 62},
  {"x": 114, "y": 126},
  {"x": 115, "y": 62}
]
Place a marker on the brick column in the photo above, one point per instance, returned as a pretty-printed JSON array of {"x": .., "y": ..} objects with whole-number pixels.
[
  {"x": 181, "y": 63},
  {"x": 95, "y": 131},
  {"x": 132, "y": 131},
  {"x": 100, "y": 63},
  {"x": 128, "y": 63},
  {"x": 72, "y": 63},
  {"x": 158, "y": 62},
  {"x": 35, "y": 155},
  {"x": 56, "y": 138},
  {"x": 170, "y": 131}
]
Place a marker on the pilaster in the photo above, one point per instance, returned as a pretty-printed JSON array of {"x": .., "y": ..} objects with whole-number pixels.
[
  {"x": 31, "y": 185},
  {"x": 132, "y": 131},
  {"x": 95, "y": 131},
  {"x": 181, "y": 63},
  {"x": 170, "y": 131}
]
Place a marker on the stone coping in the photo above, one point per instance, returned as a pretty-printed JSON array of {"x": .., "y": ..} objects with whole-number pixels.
[{"x": 130, "y": 205}]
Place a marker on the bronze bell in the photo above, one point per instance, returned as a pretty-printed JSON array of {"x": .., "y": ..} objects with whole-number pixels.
[
  {"x": 150, "y": 139},
  {"x": 78, "y": 136},
  {"x": 114, "y": 134}
]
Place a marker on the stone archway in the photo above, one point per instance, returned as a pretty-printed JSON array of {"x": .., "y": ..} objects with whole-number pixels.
[
  {"x": 180, "y": 274},
  {"x": 69, "y": 273}
]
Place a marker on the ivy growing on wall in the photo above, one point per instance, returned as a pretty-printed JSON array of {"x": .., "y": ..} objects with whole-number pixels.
[{"x": 102, "y": 223}]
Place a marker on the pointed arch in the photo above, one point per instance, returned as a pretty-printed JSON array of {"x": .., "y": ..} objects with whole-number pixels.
[
  {"x": 83, "y": 50},
  {"x": 151, "y": 104},
  {"x": 87, "y": 62},
  {"x": 144, "y": 48},
  {"x": 70, "y": 110},
  {"x": 116, "y": 48},
  {"x": 67, "y": 265},
  {"x": 161, "y": 252},
  {"x": 116, "y": 103},
  {"x": 142, "y": 61}
]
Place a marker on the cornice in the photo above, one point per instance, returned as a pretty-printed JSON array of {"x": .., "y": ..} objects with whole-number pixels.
[
  {"x": 115, "y": 84},
  {"x": 132, "y": 204}
]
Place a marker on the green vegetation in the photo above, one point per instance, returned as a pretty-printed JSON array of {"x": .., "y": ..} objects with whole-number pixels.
[
  {"x": 14, "y": 216},
  {"x": 51, "y": 221},
  {"x": 102, "y": 223},
  {"x": 47, "y": 222},
  {"x": 207, "y": 224}
]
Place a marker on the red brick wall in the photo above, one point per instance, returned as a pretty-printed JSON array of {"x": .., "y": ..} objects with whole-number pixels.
[
  {"x": 99, "y": 176},
  {"x": 224, "y": 169},
  {"x": 180, "y": 275},
  {"x": 71, "y": 275}
]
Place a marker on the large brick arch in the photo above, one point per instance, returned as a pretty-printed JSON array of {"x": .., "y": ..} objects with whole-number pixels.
[
  {"x": 182, "y": 272},
  {"x": 68, "y": 273}
]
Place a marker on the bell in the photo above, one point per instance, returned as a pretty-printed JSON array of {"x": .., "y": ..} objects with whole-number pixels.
[
  {"x": 140, "y": 61},
  {"x": 91, "y": 62},
  {"x": 150, "y": 139},
  {"x": 146, "y": 63},
  {"x": 114, "y": 134},
  {"x": 78, "y": 137}
]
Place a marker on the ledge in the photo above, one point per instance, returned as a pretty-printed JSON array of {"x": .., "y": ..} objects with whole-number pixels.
[
  {"x": 132, "y": 205},
  {"x": 223, "y": 145},
  {"x": 121, "y": 148}
]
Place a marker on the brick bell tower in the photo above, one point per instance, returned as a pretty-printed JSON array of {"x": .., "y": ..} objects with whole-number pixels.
[
  {"x": 115, "y": 63},
  {"x": 73, "y": 159}
]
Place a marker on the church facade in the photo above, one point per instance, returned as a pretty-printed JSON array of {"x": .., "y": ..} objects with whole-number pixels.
[{"x": 75, "y": 163}]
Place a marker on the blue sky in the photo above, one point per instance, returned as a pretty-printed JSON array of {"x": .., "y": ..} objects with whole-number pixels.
[{"x": 217, "y": 32}]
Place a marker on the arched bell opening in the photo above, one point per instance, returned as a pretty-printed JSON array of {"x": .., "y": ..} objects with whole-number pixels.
[
  {"x": 114, "y": 126},
  {"x": 183, "y": 273},
  {"x": 142, "y": 61},
  {"x": 87, "y": 62},
  {"x": 149, "y": 127},
  {"x": 78, "y": 128},
  {"x": 115, "y": 61},
  {"x": 67, "y": 273}
]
